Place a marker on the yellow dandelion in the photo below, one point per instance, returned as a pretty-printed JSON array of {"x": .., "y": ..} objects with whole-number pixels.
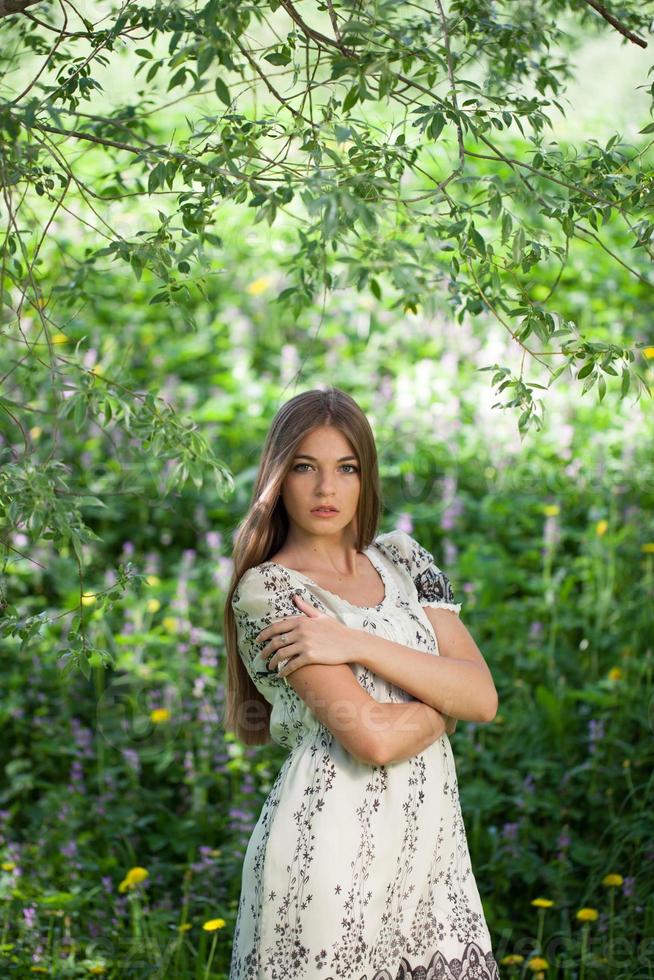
[
  {"x": 8, "y": 865},
  {"x": 35, "y": 431},
  {"x": 615, "y": 674},
  {"x": 38, "y": 969},
  {"x": 648, "y": 548},
  {"x": 626, "y": 763},
  {"x": 133, "y": 878},
  {"x": 513, "y": 959},
  {"x": 96, "y": 370},
  {"x": 601, "y": 527},
  {"x": 258, "y": 286},
  {"x": 587, "y": 915},
  {"x": 59, "y": 338},
  {"x": 169, "y": 623},
  {"x": 152, "y": 579},
  {"x": 212, "y": 924},
  {"x": 538, "y": 963},
  {"x": 543, "y": 903},
  {"x": 98, "y": 969},
  {"x": 159, "y": 715},
  {"x": 88, "y": 598},
  {"x": 185, "y": 926},
  {"x": 153, "y": 605},
  {"x": 612, "y": 880},
  {"x": 216, "y": 852},
  {"x": 551, "y": 510},
  {"x": 648, "y": 352}
]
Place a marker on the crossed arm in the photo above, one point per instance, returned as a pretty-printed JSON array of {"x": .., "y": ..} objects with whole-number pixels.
[{"x": 456, "y": 684}]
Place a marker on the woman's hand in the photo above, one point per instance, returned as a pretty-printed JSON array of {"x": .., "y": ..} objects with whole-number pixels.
[{"x": 310, "y": 639}]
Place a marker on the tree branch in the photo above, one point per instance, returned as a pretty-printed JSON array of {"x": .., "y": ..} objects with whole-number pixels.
[
  {"x": 614, "y": 22},
  {"x": 271, "y": 88},
  {"x": 450, "y": 73},
  {"x": 9, "y": 7}
]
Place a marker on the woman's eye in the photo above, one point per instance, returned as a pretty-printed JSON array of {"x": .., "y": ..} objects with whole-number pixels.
[{"x": 350, "y": 466}]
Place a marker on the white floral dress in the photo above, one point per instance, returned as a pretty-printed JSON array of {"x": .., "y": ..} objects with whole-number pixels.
[{"x": 355, "y": 871}]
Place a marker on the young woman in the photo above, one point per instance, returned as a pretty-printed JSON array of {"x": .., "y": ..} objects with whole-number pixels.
[{"x": 346, "y": 647}]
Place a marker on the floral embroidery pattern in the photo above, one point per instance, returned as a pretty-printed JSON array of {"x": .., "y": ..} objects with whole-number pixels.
[
  {"x": 355, "y": 871},
  {"x": 432, "y": 585},
  {"x": 474, "y": 965}
]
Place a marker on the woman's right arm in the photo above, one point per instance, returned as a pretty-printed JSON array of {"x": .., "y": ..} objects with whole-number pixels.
[{"x": 374, "y": 733}]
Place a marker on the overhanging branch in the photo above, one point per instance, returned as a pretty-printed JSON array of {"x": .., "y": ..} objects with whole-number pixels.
[
  {"x": 9, "y": 7},
  {"x": 614, "y": 22}
]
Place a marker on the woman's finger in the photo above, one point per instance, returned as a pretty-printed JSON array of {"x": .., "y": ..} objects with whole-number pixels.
[{"x": 305, "y": 606}]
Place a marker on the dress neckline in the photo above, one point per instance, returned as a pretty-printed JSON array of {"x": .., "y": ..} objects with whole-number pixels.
[{"x": 375, "y": 561}]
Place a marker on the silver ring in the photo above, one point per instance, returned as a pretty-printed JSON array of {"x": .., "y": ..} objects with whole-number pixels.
[{"x": 282, "y": 637}]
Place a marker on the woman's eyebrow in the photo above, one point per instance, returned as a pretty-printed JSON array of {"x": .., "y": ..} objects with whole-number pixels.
[{"x": 314, "y": 460}]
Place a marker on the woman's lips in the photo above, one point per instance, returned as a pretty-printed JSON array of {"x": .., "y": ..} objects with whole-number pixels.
[{"x": 325, "y": 513}]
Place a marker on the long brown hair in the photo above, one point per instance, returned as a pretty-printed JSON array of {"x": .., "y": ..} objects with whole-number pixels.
[{"x": 264, "y": 528}]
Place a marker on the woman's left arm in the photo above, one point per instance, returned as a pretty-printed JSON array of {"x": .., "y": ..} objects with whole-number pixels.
[{"x": 458, "y": 682}]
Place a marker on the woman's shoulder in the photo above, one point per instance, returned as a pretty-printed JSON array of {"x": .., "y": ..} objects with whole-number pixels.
[
  {"x": 256, "y": 581},
  {"x": 397, "y": 543},
  {"x": 396, "y": 537},
  {"x": 265, "y": 583},
  {"x": 405, "y": 551}
]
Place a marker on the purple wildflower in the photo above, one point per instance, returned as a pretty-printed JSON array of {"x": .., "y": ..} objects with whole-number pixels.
[
  {"x": 510, "y": 830},
  {"x": 404, "y": 523},
  {"x": 214, "y": 540},
  {"x": 29, "y": 914}
]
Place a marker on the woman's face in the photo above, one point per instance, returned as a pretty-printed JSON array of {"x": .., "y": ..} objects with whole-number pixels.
[{"x": 324, "y": 471}]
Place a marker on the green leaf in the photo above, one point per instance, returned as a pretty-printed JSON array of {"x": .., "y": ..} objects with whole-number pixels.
[
  {"x": 435, "y": 127},
  {"x": 477, "y": 240},
  {"x": 351, "y": 98},
  {"x": 178, "y": 79},
  {"x": 137, "y": 266},
  {"x": 222, "y": 92},
  {"x": 205, "y": 56},
  {"x": 518, "y": 245},
  {"x": 280, "y": 57},
  {"x": 507, "y": 225},
  {"x": 156, "y": 177}
]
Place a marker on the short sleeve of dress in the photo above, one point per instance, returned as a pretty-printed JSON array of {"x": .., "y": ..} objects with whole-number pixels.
[
  {"x": 264, "y": 595},
  {"x": 431, "y": 583}
]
